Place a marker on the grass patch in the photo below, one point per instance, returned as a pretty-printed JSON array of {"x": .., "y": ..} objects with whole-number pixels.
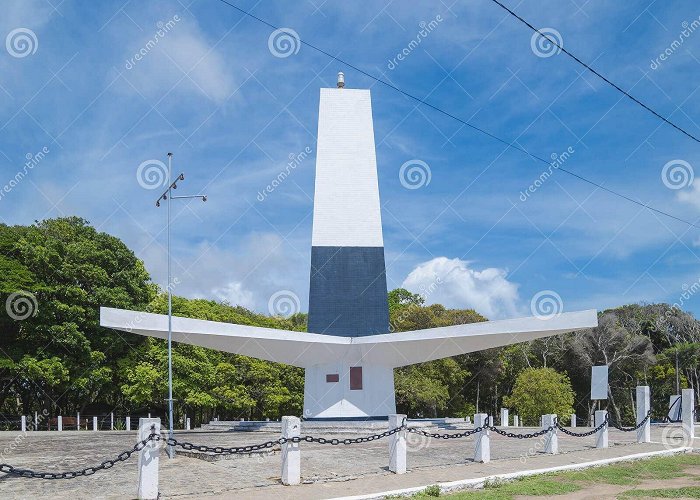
[
  {"x": 623, "y": 474},
  {"x": 634, "y": 472},
  {"x": 687, "y": 492},
  {"x": 536, "y": 486}
]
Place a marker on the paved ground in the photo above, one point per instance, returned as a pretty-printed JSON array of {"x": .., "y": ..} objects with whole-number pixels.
[{"x": 329, "y": 470}]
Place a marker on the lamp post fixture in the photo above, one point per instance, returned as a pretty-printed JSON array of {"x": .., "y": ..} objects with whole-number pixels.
[{"x": 168, "y": 196}]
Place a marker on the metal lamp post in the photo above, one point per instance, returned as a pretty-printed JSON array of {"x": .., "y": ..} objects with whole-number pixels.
[{"x": 168, "y": 196}]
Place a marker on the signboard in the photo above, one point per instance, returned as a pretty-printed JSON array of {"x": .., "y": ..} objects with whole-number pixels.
[
  {"x": 674, "y": 408},
  {"x": 599, "y": 382}
]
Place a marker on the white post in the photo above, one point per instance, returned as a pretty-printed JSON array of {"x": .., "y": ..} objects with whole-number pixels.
[
  {"x": 187, "y": 424},
  {"x": 77, "y": 423},
  {"x": 60, "y": 423},
  {"x": 504, "y": 417},
  {"x": 111, "y": 421},
  {"x": 184, "y": 422},
  {"x": 601, "y": 437},
  {"x": 291, "y": 456},
  {"x": 468, "y": 420},
  {"x": 516, "y": 421},
  {"x": 148, "y": 459},
  {"x": 573, "y": 420},
  {"x": 94, "y": 423},
  {"x": 127, "y": 424},
  {"x": 36, "y": 421},
  {"x": 687, "y": 417},
  {"x": 643, "y": 407},
  {"x": 551, "y": 438},
  {"x": 397, "y": 445},
  {"x": 24, "y": 423},
  {"x": 482, "y": 449}
]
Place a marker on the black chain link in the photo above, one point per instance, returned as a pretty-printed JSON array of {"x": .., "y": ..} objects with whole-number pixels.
[
  {"x": 584, "y": 434},
  {"x": 88, "y": 471},
  {"x": 630, "y": 429},
  {"x": 445, "y": 436},
  {"x": 221, "y": 450},
  {"x": 529, "y": 435}
]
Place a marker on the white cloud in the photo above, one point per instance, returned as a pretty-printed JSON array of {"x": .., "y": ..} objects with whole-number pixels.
[
  {"x": 452, "y": 283},
  {"x": 690, "y": 195},
  {"x": 182, "y": 57}
]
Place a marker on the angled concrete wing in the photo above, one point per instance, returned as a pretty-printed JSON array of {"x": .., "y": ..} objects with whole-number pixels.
[
  {"x": 407, "y": 348},
  {"x": 308, "y": 349},
  {"x": 282, "y": 346}
]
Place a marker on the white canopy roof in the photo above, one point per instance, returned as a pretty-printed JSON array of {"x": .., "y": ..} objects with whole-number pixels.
[{"x": 307, "y": 349}]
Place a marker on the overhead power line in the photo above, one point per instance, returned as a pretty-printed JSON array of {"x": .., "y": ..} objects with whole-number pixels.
[
  {"x": 596, "y": 73},
  {"x": 509, "y": 144}
]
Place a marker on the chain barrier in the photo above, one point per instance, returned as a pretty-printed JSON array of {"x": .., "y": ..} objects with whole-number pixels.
[
  {"x": 222, "y": 450},
  {"x": 88, "y": 471},
  {"x": 630, "y": 429},
  {"x": 529, "y": 435},
  {"x": 583, "y": 434},
  {"x": 436, "y": 435}
]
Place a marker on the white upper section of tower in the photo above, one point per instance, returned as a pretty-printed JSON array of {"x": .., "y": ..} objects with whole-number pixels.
[{"x": 346, "y": 199}]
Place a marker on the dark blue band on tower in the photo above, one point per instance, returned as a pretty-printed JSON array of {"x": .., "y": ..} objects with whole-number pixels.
[{"x": 348, "y": 295}]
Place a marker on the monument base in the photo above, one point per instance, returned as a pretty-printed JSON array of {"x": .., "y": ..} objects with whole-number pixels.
[{"x": 348, "y": 390}]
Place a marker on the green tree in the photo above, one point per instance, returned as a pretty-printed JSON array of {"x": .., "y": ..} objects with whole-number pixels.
[{"x": 541, "y": 391}]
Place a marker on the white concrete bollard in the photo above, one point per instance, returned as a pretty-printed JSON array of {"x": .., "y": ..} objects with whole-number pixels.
[
  {"x": 687, "y": 417},
  {"x": 516, "y": 421},
  {"x": 187, "y": 424},
  {"x": 127, "y": 423},
  {"x": 551, "y": 444},
  {"x": 573, "y": 420},
  {"x": 77, "y": 422},
  {"x": 24, "y": 423},
  {"x": 291, "y": 455},
  {"x": 60, "y": 423},
  {"x": 482, "y": 448},
  {"x": 643, "y": 407},
  {"x": 36, "y": 421},
  {"x": 504, "y": 417},
  {"x": 148, "y": 459},
  {"x": 111, "y": 421},
  {"x": 601, "y": 437},
  {"x": 94, "y": 423},
  {"x": 397, "y": 445},
  {"x": 468, "y": 420}
]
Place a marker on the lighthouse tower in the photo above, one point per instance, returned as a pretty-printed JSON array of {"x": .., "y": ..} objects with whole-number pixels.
[{"x": 348, "y": 353}]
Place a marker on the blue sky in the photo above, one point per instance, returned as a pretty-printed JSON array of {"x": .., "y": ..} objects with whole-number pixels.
[{"x": 212, "y": 92}]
